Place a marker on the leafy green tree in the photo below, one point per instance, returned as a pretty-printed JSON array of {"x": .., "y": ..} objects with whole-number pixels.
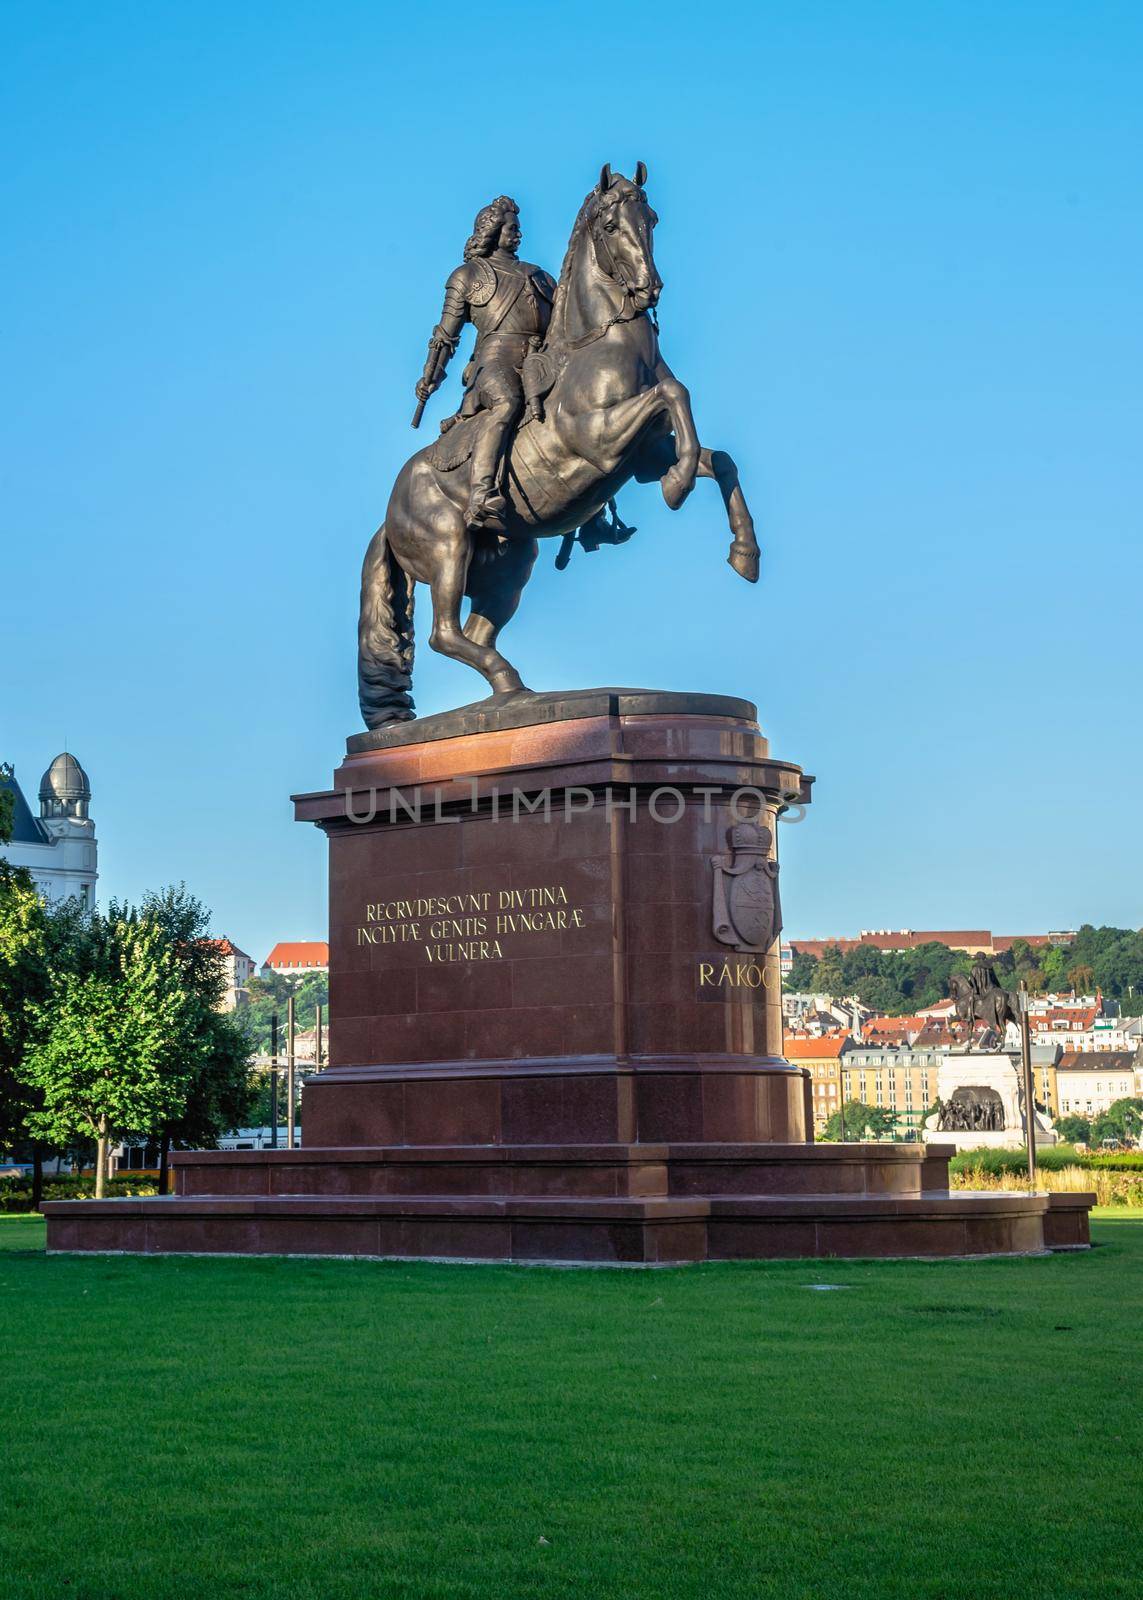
[
  {"x": 270, "y": 994},
  {"x": 830, "y": 976},
  {"x": 1054, "y": 967},
  {"x": 23, "y": 985},
  {"x": 104, "y": 1039},
  {"x": 33, "y": 938},
  {"x": 1073, "y": 1130},
  {"x": 802, "y": 976},
  {"x": 211, "y": 1056},
  {"x": 861, "y": 1122},
  {"x": 898, "y": 981},
  {"x": 220, "y": 1094},
  {"x": 879, "y": 992},
  {"x": 1122, "y": 1121}
]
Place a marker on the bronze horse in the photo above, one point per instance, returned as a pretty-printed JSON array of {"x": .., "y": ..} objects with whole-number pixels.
[
  {"x": 613, "y": 411},
  {"x": 996, "y": 1008}
]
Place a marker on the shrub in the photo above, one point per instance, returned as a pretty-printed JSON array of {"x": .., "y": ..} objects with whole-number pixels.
[
  {"x": 16, "y": 1193},
  {"x": 1109, "y": 1188},
  {"x": 1115, "y": 1161}
]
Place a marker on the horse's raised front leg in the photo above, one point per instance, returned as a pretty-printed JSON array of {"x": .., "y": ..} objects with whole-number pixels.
[
  {"x": 744, "y": 553},
  {"x": 659, "y": 458},
  {"x": 448, "y": 637},
  {"x": 680, "y": 479}
]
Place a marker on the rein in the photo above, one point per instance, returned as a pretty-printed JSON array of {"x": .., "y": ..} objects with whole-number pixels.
[{"x": 622, "y": 315}]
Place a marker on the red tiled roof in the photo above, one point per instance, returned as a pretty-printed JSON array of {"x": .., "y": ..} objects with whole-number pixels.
[
  {"x": 892, "y": 1027},
  {"x": 902, "y": 939},
  {"x": 298, "y": 953},
  {"x": 828, "y": 1048},
  {"x": 1064, "y": 1019},
  {"x": 939, "y": 1031},
  {"x": 229, "y": 949}
]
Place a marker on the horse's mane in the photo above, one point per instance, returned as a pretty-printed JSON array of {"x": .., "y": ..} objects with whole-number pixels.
[{"x": 556, "y": 332}]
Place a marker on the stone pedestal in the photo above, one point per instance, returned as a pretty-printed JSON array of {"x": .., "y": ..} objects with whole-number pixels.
[
  {"x": 548, "y": 1042},
  {"x": 532, "y": 959},
  {"x": 977, "y": 1075}
]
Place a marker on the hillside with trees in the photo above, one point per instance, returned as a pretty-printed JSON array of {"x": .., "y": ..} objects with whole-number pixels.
[{"x": 896, "y": 982}]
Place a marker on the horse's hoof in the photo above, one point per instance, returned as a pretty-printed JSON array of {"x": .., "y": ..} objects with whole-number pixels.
[
  {"x": 507, "y": 686},
  {"x": 676, "y": 486},
  {"x": 744, "y": 558}
]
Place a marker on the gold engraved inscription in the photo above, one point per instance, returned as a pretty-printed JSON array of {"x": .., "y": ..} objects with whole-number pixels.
[{"x": 471, "y": 926}]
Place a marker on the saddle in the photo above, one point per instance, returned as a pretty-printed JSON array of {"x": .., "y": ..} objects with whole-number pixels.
[{"x": 456, "y": 443}]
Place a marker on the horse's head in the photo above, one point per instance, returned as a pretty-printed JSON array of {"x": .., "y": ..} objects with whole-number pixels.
[{"x": 621, "y": 225}]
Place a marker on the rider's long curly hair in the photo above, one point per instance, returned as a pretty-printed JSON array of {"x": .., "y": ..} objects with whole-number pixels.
[{"x": 486, "y": 229}]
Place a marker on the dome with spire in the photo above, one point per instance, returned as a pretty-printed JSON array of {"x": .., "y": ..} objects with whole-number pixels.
[{"x": 64, "y": 788}]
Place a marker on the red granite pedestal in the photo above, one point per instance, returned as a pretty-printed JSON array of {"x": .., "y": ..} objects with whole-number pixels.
[{"x": 540, "y": 1050}]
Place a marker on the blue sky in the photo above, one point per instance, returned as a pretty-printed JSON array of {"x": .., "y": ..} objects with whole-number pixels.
[{"x": 902, "y": 251}]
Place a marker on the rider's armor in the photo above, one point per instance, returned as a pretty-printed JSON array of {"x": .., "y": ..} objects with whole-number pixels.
[{"x": 509, "y": 302}]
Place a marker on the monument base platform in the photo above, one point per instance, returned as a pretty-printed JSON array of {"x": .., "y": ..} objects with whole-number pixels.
[
  {"x": 555, "y": 980},
  {"x": 602, "y": 1205}
]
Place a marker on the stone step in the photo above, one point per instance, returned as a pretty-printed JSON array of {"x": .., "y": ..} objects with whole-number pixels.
[
  {"x": 604, "y": 1170},
  {"x": 618, "y": 1230}
]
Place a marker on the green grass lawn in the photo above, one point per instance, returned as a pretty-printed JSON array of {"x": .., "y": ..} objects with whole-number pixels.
[{"x": 182, "y": 1429}]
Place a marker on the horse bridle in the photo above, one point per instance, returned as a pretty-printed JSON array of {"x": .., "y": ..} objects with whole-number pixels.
[{"x": 612, "y": 271}]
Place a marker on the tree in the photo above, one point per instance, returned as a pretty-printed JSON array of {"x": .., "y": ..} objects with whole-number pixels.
[
  {"x": 103, "y": 1041},
  {"x": 802, "y": 976},
  {"x": 1073, "y": 1130},
  {"x": 270, "y": 994},
  {"x": 23, "y": 985},
  {"x": 211, "y": 1056},
  {"x": 861, "y": 1122},
  {"x": 1054, "y": 967},
  {"x": 220, "y": 1094},
  {"x": 1122, "y": 1121},
  {"x": 1081, "y": 977}
]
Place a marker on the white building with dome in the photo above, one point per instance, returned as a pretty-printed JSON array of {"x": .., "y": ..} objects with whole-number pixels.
[{"x": 59, "y": 846}]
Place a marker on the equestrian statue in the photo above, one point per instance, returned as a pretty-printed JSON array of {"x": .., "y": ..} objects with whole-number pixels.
[
  {"x": 566, "y": 399},
  {"x": 981, "y": 998}
]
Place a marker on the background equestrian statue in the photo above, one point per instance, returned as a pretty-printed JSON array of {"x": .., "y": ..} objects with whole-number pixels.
[
  {"x": 982, "y": 998},
  {"x": 604, "y": 408}
]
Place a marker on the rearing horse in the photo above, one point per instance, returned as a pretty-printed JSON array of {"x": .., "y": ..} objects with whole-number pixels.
[{"x": 614, "y": 411}]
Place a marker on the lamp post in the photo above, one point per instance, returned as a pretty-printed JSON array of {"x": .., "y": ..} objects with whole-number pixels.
[
  {"x": 1029, "y": 1088},
  {"x": 274, "y": 1081},
  {"x": 291, "y": 1080}
]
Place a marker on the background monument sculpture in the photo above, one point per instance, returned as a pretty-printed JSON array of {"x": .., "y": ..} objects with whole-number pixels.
[{"x": 981, "y": 998}]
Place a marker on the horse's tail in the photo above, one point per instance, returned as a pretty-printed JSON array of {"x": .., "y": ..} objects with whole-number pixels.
[{"x": 385, "y": 637}]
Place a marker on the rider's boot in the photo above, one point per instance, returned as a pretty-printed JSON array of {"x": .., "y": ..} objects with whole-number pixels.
[{"x": 485, "y": 502}]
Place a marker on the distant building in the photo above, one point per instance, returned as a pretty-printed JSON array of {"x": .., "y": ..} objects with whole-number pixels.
[
  {"x": 1083, "y": 1023},
  {"x": 822, "y": 1057},
  {"x": 1088, "y": 1082},
  {"x": 240, "y": 968},
  {"x": 816, "y": 1014},
  {"x": 895, "y": 1078},
  {"x": 58, "y": 847},
  {"x": 297, "y": 958}
]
